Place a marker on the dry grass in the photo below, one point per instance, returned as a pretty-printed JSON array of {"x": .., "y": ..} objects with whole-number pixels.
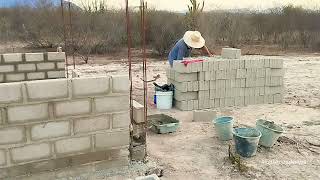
[{"x": 98, "y": 30}]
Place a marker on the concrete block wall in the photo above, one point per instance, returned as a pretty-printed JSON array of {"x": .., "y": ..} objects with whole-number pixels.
[
  {"x": 45, "y": 120},
  {"x": 218, "y": 82},
  {"x": 17, "y": 67}
]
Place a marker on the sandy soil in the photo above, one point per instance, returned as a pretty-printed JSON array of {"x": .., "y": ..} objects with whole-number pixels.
[{"x": 194, "y": 151}]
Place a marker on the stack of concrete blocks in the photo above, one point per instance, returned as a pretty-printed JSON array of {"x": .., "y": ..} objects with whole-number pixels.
[
  {"x": 138, "y": 146},
  {"x": 220, "y": 82},
  {"x": 52, "y": 124},
  {"x": 17, "y": 67}
]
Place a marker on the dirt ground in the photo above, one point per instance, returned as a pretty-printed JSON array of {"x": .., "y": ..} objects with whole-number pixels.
[{"x": 194, "y": 151}]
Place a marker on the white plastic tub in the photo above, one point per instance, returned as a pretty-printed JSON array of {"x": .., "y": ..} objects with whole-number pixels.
[{"x": 164, "y": 99}]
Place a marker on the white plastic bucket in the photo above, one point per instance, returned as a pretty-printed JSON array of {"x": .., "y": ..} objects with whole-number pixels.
[{"x": 164, "y": 99}]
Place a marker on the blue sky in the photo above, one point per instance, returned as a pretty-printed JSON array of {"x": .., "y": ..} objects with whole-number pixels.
[{"x": 9, "y": 3}]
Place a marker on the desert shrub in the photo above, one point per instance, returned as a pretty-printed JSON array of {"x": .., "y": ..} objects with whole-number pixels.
[
  {"x": 164, "y": 29},
  {"x": 195, "y": 10},
  {"x": 4, "y": 28},
  {"x": 315, "y": 42},
  {"x": 39, "y": 25},
  {"x": 98, "y": 30}
]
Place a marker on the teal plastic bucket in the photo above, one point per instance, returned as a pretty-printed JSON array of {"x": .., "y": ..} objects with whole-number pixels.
[
  {"x": 246, "y": 140},
  {"x": 164, "y": 99},
  {"x": 223, "y": 127},
  {"x": 270, "y": 132}
]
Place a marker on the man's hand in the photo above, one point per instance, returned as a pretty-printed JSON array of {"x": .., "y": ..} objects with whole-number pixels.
[{"x": 205, "y": 48}]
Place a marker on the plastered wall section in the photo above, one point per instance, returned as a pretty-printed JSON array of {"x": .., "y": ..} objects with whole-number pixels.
[
  {"x": 48, "y": 119},
  {"x": 16, "y": 67}
]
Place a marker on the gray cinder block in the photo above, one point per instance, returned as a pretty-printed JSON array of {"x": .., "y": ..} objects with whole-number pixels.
[{"x": 231, "y": 53}]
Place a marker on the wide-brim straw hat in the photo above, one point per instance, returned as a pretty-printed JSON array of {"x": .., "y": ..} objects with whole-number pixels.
[{"x": 194, "y": 39}]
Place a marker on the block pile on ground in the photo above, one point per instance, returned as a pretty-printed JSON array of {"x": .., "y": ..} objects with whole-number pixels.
[{"x": 221, "y": 82}]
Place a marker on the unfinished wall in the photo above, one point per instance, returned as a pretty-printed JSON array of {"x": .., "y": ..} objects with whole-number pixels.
[
  {"x": 138, "y": 131},
  {"x": 15, "y": 67},
  {"x": 49, "y": 124},
  {"x": 218, "y": 82}
]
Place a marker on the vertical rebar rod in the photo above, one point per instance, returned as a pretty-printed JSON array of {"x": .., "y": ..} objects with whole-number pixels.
[
  {"x": 141, "y": 24},
  {"x": 71, "y": 34},
  {"x": 64, "y": 37},
  {"x": 145, "y": 85},
  {"x": 129, "y": 40}
]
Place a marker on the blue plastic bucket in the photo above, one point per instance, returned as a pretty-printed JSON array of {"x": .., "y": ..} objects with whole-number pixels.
[
  {"x": 246, "y": 140},
  {"x": 164, "y": 99},
  {"x": 223, "y": 127},
  {"x": 270, "y": 132}
]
